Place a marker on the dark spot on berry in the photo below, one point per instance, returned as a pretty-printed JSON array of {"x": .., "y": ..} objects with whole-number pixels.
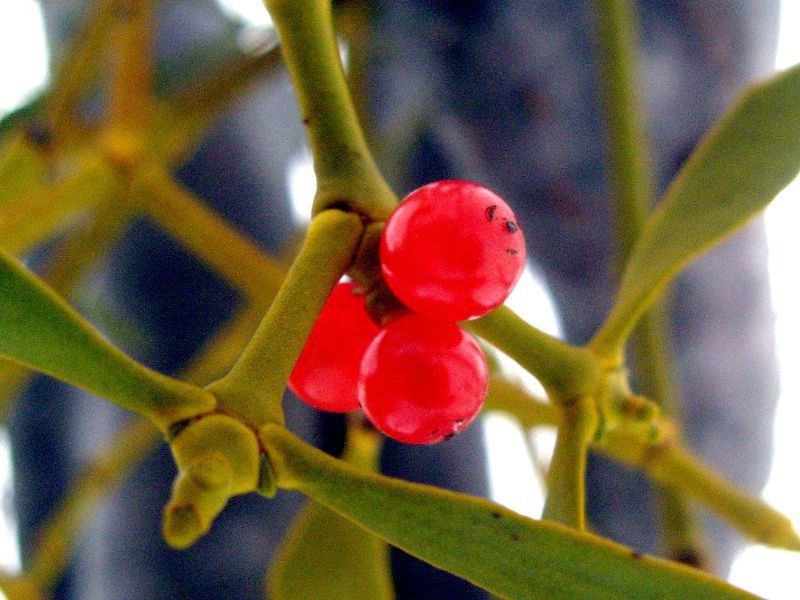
[
  {"x": 490, "y": 210},
  {"x": 512, "y": 227},
  {"x": 496, "y": 515},
  {"x": 434, "y": 432},
  {"x": 636, "y": 555},
  {"x": 460, "y": 422},
  {"x": 511, "y": 252},
  {"x": 449, "y": 436}
]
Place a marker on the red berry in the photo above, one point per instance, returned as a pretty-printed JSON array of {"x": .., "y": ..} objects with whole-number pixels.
[
  {"x": 326, "y": 374},
  {"x": 422, "y": 380},
  {"x": 452, "y": 250}
]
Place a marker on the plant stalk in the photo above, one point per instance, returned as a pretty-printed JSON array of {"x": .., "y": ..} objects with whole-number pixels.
[{"x": 254, "y": 387}]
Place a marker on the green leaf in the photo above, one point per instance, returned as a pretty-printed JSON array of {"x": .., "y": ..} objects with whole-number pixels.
[
  {"x": 39, "y": 330},
  {"x": 508, "y": 554},
  {"x": 326, "y": 556},
  {"x": 738, "y": 168}
]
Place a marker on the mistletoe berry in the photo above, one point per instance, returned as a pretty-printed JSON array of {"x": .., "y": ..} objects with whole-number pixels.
[
  {"x": 422, "y": 380},
  {"x": 452, "y": 250},
  {"x": 326, "y": 374}
]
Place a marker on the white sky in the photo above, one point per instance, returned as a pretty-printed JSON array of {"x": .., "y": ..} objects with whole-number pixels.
[{"x": 769, "y": 573}]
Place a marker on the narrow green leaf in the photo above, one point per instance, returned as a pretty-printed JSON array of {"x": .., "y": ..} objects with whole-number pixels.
[
  {"x": 326, "y": 556},
  {"x": 739, "y": 167},
  {"x": 39, "y": 330},
  {"x": 508, "y": 554}
]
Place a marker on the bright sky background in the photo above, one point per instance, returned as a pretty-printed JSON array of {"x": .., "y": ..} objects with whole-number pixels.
[{"x": 770, "y": 573}]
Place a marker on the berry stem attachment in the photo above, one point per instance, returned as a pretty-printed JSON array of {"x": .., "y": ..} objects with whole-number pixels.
[
  {"x": 566, "y": 489},
  {"x": 254, "y": 387},
  {"x": 346, "y": 172}
]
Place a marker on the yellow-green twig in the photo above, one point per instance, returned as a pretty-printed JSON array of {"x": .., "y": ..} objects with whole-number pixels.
[
  {"x": 634, "y": 192},
  {"x": 565, "y": 371},
  {"x": 346, "y": 172},
  {"x": 566, "y": 488},
  {"x": 132, "y": 77},
  {"x": 79, "y": 66},
  {"x": 254, "y": 388},
  {"x": 228, "y": 252},
  {"x": 33, "y": 219},
  {"x": 669, "y": 464}
]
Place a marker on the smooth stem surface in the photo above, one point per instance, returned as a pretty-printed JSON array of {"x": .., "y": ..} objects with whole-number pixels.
[
  {"x": 346, "y": 172},
  {"x": 565, "y": 371},
  {"x": 228, "y": 252},
  {"x": 634, "y": 190},
  {"x": 79, "y": 68},
  {"x": 670, "y": 464},
  {"x": 47, "y": 211},
  {"x": 254, "y": 387},
  {"x": 629, "y": 154},
  {"x": 566, "y": 488},
  {"x": 132, "y": 83},
  {"x": 509, "y": 396},
  {"x": 40, "y": 330}
]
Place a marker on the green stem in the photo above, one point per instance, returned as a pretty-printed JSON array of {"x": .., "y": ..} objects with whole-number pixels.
[
  {"x": 36, "y": 217},
  {"x": 254, "y": 387},
  {"x": 209, "y": 237},
  {"x": 629, "y": 154},
  {"x": 565, "y": 371},
  {"x": 41, "y": 331},
  {"x": 346, "y": 172},
  {"x": 671, "y": 465},
  {"x": 132, "y": 78},
  {"x": 79, "y": 68},
  {"x": 634, "y": 191},
  {"x": 668, "y": 464},
  {"x": 509, "y": 396},
  {"x": 566, "y": 488}
]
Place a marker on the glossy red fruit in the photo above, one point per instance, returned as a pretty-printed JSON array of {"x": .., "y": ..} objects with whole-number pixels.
[
  {"x": 422, "y": 380},
  {"x": 452, "y": 250},
  {"x": 326, "y": 374}
]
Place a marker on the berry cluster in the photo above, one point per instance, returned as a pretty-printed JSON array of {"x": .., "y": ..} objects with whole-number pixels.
[{"x": 451, "y": 251}]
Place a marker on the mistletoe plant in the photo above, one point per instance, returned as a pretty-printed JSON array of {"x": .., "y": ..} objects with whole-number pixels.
[{"x": 223, "y": 418}]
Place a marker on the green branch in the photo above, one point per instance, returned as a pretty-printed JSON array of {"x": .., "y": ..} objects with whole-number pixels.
[
  {"x": 634, "y": 193},
  {"x": 346, "y": 172},
  {"x": 41, "y": 331},
  {"x": 565, "y": 371},
  {"x": 228, "y": 252},
  {"x": 566, "y": 488},
  {"x": 254, "y": 388}
]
